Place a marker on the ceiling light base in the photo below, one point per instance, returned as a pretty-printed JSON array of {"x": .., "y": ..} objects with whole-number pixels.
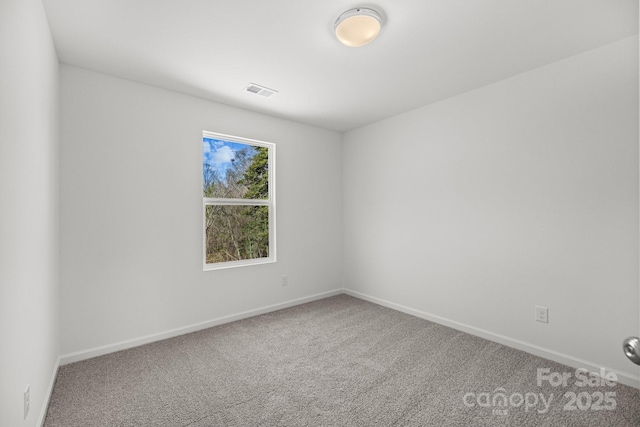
[{"x": 358, "y": 27}]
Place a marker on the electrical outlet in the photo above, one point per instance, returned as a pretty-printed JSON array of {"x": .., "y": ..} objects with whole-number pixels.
[
  {"x": 27, "y": 401},
  {"x": 542, "y": 314},
  {"x": 285, "y": 280}
]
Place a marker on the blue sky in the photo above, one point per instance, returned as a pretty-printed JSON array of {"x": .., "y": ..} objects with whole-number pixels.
[{"x": 219, "y": 154}]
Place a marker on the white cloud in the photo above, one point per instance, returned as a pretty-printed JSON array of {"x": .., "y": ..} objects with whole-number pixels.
[{"x": 222, "y": 155}]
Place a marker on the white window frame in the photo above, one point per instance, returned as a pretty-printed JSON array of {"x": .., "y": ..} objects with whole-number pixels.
[{"x": 271, "y": 203}]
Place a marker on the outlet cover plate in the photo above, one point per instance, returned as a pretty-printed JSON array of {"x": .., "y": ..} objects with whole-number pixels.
[
  {"x": 27, "y": 402},
  {"x": 542, "y": 314}
]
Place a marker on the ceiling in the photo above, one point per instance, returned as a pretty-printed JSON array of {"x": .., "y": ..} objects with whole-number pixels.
[{"x": 428, "y": 50}]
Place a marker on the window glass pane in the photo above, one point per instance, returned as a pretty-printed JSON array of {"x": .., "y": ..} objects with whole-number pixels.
[
  {"x": 232, "y": 170},
  {"x": 235, "y": 233}
]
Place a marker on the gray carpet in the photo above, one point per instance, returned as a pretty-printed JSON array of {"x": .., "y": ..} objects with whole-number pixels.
[{"x": 339, "y": 361}]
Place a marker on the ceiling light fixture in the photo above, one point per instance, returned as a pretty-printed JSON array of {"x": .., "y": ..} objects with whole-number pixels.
[{"x": 358, "y": 27}]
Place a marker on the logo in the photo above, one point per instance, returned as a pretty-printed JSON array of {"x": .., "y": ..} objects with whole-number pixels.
[{"x": 500, "y": 401}]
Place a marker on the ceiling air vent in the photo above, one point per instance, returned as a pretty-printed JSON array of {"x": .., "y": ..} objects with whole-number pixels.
[{"x": 260, "y": 90}]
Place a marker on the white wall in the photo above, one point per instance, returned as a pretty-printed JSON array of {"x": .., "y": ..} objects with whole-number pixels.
[
  {"x": 521, "y": 193},
  {"x": 29, "y": 346},
  {"x": 131, "y": 206}
]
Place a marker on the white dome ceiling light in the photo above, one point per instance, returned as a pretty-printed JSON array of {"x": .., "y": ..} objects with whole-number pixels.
[{"x": 358, "y": 27}]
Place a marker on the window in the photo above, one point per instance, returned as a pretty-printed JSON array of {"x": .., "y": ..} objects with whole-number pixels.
[{"x": 238, "y": 195}]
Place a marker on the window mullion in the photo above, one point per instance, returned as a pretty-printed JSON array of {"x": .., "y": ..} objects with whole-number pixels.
[{"x": 246, "y": 202}]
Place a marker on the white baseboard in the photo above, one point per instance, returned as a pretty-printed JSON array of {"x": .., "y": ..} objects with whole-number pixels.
[
  {"x": 623, "y": 377},
  {"x": 111, "y": 348},
  {"x": 47, "y": 397}
]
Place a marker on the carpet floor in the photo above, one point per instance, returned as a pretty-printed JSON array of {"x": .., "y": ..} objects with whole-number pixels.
[{"x": 339, "y": 361}]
